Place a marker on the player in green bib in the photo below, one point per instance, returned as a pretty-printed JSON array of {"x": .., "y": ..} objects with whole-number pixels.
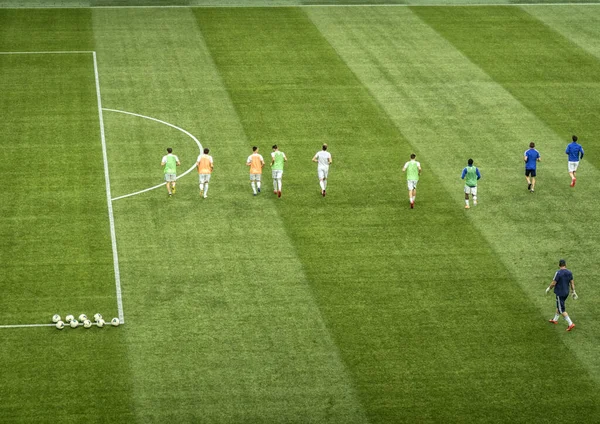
[
  {"x": 170, "y": 162},
  {"x": 413, "y": 171},
  {"x": 278, "y": 160},
  {"x": 471, "y": 175}
]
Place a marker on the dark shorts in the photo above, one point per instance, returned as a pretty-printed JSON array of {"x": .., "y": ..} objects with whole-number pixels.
[
  {"x": 530, "y": 172},
  {"x": 560, "y": 303}
]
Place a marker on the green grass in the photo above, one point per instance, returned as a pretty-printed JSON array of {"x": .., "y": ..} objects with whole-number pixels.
[{"x": 349, "y": 308}]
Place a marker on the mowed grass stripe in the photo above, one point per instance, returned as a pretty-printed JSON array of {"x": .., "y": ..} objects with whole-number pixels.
[
  {"x": 565, "y": 98},
  {"x": 526, "y": 56},
  {"x": 416, "y": 301},
  {"x": 564, "y": 19},
  {"x": 451, "y": 110},
  {"x": 56, "y": 249},
  {"x": 222, "y": 325}
]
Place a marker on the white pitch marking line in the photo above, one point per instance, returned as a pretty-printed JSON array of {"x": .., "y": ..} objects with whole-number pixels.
[
  {"x": 303, "y": 6},
  {"x": 165, "y": 123},
  {"x": 52, "y": 52},
  {"x": 27, "y": 325},
  {"x": 111, "y": 218}
]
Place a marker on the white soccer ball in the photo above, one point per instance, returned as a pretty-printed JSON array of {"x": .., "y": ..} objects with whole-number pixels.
[
  {"x": 74, "y": 323},
  {"x": 100, "y": 323},
  {"x": 55, "y": 318},
  {"x": 82, "y": 317},
  {"x": 87, "y": 323},
  {"x": 115, "y": 322},
  {"x": 60, "y": 325},
  {"x": 69, "y": 318},
  {"x": 97, "y": 317}
]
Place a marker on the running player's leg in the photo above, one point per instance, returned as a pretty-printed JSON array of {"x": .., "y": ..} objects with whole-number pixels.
[
  {"x": 527, "y": 173},
  {"x": 206, "y": 181},
  {"x": 201, "y": 183},
  {"x": 274, "y": 174},
  {"x": 572, "y": 171},
  {"x": 258, "y": 182},
  {"x": 467, "y": 191},
  {"x": 474, "y": 195},
  {"x": 253, "y": 183}
]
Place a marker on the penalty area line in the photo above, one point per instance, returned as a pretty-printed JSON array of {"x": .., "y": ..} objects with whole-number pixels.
[{"x": 111, "y": 218}]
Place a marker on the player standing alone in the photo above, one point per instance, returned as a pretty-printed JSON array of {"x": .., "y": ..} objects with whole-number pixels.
[
  {"x": 575, "y": 152},
  {"x": 256, "y": 162},
  {"x": 531, "y": 158},
  {"x": 205, "y": 169},
  {"x": 277, "y": 161},
  {"x": 323, "y": 159},
  {"x": 563, "y": 279},
  {"x": 170, "y": 162},
  {"x": 471, "y": 175},
  {"x": 413, "y": 170}
]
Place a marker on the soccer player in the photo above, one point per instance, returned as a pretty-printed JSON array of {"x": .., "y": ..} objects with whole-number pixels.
[
  {"x": 575, "y": 152},
  {"x": 205, "y": 168},
  {"x": 323, "y": 159},
  {"x": 531, "y": 158},
  {"x": 563, "y": 279},
  {"x": 471, "y": 175},
  {"x": 170, "y": 162},
  {"x": 256, "y": 162},
  {"x": 277, "y": 161},
  {"x": 413, "y": 170}
]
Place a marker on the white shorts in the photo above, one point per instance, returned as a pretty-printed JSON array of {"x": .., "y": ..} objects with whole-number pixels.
[
  {"x": 322, "y": 173},
  {"x": 471, "y": 190},
  {"x": 573, "y": 166},
  {"x": 203, "y": 178},
  {"x": 255, "y": 177},
  {"x": 170, "y": 177},
  {"x": 412, "y": 184},
  {"x": 277, "y": 174}
]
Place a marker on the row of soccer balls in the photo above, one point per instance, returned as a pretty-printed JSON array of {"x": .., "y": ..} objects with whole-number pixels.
[{"x": 83, "y": 319}]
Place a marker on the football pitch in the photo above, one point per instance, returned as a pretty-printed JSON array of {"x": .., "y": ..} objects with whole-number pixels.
[{"x": 349, "y": 308}]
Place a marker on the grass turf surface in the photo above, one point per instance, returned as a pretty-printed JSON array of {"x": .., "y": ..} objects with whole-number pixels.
[{"x": 351, "y": 308}]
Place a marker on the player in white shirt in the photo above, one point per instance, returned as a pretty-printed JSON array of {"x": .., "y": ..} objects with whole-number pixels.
[{"x": 323, "y": 159}]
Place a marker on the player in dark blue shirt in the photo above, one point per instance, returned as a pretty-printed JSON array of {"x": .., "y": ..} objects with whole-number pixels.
[
  {"x": 562, "y": 282},
  {"x": 575, "y": 152},
  {"x": 531, "y": 158}
]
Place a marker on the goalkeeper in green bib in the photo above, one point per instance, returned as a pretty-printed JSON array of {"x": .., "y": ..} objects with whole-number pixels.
[
  {"x": 278, "y": 159},
  {"x": 471, "y": 175},
  {"x": 413, "y": 171},
  {"x": 170, "y": 162}
]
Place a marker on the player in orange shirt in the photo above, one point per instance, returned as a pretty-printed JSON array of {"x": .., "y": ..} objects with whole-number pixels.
[
  {"x": 256, "y": 163},
  {"x": 205, "y": 169}
]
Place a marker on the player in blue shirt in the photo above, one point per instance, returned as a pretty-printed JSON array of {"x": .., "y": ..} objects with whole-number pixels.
[
  {"x": 575, "y": 152},
  {"x": 562, "y": 281},
  {"x": 471, "y": 175},
  {"x": 531, "y": 158}
]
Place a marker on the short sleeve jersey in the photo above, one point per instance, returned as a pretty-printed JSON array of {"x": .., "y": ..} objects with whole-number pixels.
[
  {"x": 471, "y": 175},
  {"x": 574, "y": 150},
  {"x": 170, "y": 162},
  {"x": 323, "y": 158},
  {"x": 562, "y": 277},
  {"x": 412, "y": 170},
  {"x": 532, "y": 156},
  {"x": 204, "y": 164},
  {"x": 255, "y": 160},
  {"x": 278, "y": 160}
]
